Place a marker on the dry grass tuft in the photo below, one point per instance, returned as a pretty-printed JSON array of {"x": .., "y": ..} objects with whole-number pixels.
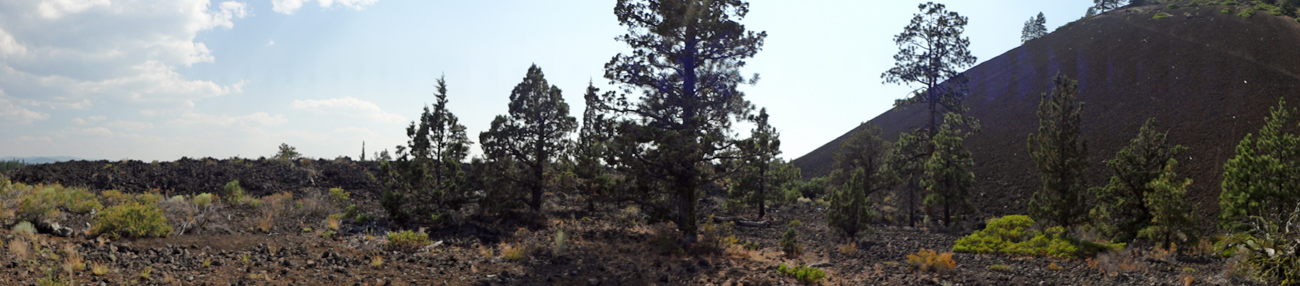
[
  {"x": 20, "y": 248},
  {"x": 98, "y": 268},
  {"x": 849, "y": 249},
  {"x": 376, "y": 261},
  {"x": 930, "y": 260},
  {"x": 512, "y": 252}
]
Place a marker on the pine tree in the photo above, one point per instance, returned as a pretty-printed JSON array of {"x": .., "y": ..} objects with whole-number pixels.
[
  {"x": 1263, "y": 179},
  {"x": 860, "y": 170},
  {"x": 1103, "y": 6},
  {"x": 931, "y": 52},
  {"x": 1172, "y": 219},
  {"x": 1062, "y": 157},
  {"x": 427, "y": 175},
  {"x": 1034, "y": 28},
  {"x": 685, "y": 69},
  {"x": 947, "y": 173},
  {"x": 1120, "y": 211},
  {"x": 532, "y": 134},
  {"x": 595, "y": 178},
  {"x": 908, "y": 164},
  {"x": 756, "y": 178}
]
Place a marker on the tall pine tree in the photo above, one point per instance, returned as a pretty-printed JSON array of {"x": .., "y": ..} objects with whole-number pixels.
[
  {"x": 532, "y": 134},
  {"x": 684, "y": 69},
  {"x": 427, "y": 177},
  {"x": 1062, "y": 157},
  {"x": 1120, "y": 211}
]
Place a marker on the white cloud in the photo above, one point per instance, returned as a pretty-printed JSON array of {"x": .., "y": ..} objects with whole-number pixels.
[
  {"x": 54, "y": 9},
  {"x": 287, "y": 7},
  {"x": 10, "y": 112},
  {"x": 190, "y": 119},
  {"x": 271, "y": 43},
  {"x": 348, "y": 106},
  {"x": 129, "y": 126},
  {"x": 72, "y": 54}
]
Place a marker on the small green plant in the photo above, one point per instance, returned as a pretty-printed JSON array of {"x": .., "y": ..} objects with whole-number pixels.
[
  {"x": 1000, "y": 268},
  {"x": 328, "y": 234},
  {"x": 202, "y": 201},
  {"x": 376, "y": 261},
  {"x": 1161, "y": 15},
  {"x": 25, "y": 228},
  {"x": 207, "y": 261},
  {"x": 790, "y": 243},
  {"x": 1226, "y": 11},
  {"x": 1246, "y": 13},
  {"x": 234, "y": 193},
  {"x": 351, "y": 212},
  {"x": 132, "y": 219},
  {"x": 339, "y": 195},
  {"x": 407, "y": 240},
  {"x": 804, "y": 274},
  {"x": 148, "y": 270},
  {"x": 1230, "y": 3},
  {"x": 363, "y": 218},
  {"x": 560, "y": 239},
  {"x": 1172, "y": 6}
]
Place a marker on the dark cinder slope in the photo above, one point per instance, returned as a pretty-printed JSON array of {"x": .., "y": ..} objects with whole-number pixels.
[{"x": 1208, "y": 77}]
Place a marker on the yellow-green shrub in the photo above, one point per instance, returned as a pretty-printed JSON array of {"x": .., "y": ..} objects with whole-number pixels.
[
  {"x": 1011, "y": 235},
  {"x": 805, "y": 274},
  {"x": 407, "y": 240},
  {"x": 234, "y": 193},
  {"x": 339, "y": 195},
  {"x": 202, "y": 200},
  {"x": 132, "y": 219}
]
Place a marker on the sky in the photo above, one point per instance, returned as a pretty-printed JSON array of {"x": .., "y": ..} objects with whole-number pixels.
[{"x": 165, "y": 79}]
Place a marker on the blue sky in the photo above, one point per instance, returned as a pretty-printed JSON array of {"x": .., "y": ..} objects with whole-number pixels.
[{"x": 158, "y": 80}]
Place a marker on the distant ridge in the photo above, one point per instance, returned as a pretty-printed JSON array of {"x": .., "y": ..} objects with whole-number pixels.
[
  {"x": 41, "y": 160},
  {"x": 1208, "y": 77}
]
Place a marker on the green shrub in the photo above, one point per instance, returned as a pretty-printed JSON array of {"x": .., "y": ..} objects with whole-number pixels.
[
  {"x": 1246, "y": 13},
  {"x": 850, "y": 209},
  {"x": 339, "y": 195},
  {"x": 1230, "y": 3},
  {"x": 132, "y": 219},
  {"x": 234, "y": 193},
  {"x": 790, "y": 243},
  {"x": 25, "y": 228},
  {"x": 1193, "y": 4},
  {"x": 1011, "y": 235},
  {"x": 177, "y": 199},
  {"x": 1172, "y": 6},
  {"x": 407, "y": 240},
  {"x": 1161, "y": 15},
  {"x": 149, "y": 198},
  {"x": 202, "y": 200},
  {"x": 804, "y": 274},
  {"x": 1275, "y": 10},
  {"x": 38, "y": 205}
]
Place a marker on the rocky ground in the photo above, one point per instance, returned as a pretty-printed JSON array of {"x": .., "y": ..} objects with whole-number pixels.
[{"x": 610, "y": 247}]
